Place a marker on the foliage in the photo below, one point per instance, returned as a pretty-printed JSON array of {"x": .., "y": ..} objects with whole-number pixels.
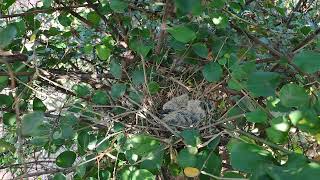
[{"x": 82, "y": 84}]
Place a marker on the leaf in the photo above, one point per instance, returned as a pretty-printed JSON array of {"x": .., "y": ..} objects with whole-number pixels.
[
  {"x": 59, "y": 176},
  {"x": 5, "y": 146},
  {"x": 257, "y": 116},
  {"x": 47, "y": 3},
  {"x": 83, "y": 139},
  {"x": 137, "y": 77},
  {"x": 7, "y": 35},
  {"x": 9, "y": 118},
  {"x": 64, "y": 20},
  {"x": 214, "y": 143},
  {"x": 200, "y": 49},
  {"x": 3, "y": 82},
  {"x": 115, "y": 69},
  {"x": 187, "y": 158},
  {"x": 118, "y": 6},
  {"x": 154, "y": 160},
  {"x": 191, "y": 172},
  {"x": 292, "y": 95},
  {"x": 140, "y": 46},
  {"x": 94, "y": 18},
  {"x": 188, "y": 6},
  {"x": 142, "y": 145},
  {"x": 217, "y": 4},
  {"x": 118, "y": 90},
  {"x": 154, "y": 87},
  {"x": 81, "y": 90},
  {"x": 212, "y": 72},
  {"x": 263, "y": 83},
  {"x": 209, "y": 162},
  {"x": 142, "y": 174},
  {"x": 182, "y": 33},
  {"x": 280, "y": 123},
  {"x": 100, "y": 98},
  {"x": 31, "y": 122},
  {"x": 247, "y": 157},
  {"x": 307, "y": 61},
  {"x": 103, "y": 52},
  {"x": 136, "y": 96},
  {"x": 88, "y": 49},
  {"x": 66, "y": 159},
  {"x": 276, "y": 136},
  {"x": 38, "y": 105},
  {"x": 191, "y": 137}
]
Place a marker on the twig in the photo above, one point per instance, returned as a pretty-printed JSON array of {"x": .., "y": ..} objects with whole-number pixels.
[
  {"x": 17, "y": 111},
  {"x": 163, "y": 27},
  {"x": 296, "y": 8},
  {"x": 38, "y": 11},
  {"x": 306, "y": 41}
]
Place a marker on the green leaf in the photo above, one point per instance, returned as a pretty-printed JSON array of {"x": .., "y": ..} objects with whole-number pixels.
[
  {"x": 217, "y": 4},
  {"x": 100, "y": 98},
  {"x": 137, "y": 77},
  {"x": 118, "y": 6},
  {"x": 5, "y": 146},
  {"x": 115, "y": 69},
  {"x": 191, "y": 137},
  {"x": 9, "y": 118},
  {"x": 140, "y": 46},
  {"x": 31, "y": 122},
  {"x": 64, "y": 20},
  {"x": 307, "y": 61},
  {"x": 59, "y": 176},
  {"x": 88, "y": 49},
  {"x": 83, "y": 139},
  {"x": 212, "y": 72},
  {"x": 247, "y": 157},
  {"x": 81, "y": 90},
  {"x": 182, "y": 33},
  {"x": 263, "y": 83},
  {"x": 66, "y": 159},
  {"x": 7, "y": 35},
  {"x": 154, "y": 87},
  {"x": 142, "y": 174},
  {"x": 38, "y": 105},
  {"x": 210, "y": 162},
  {"x": 153, "y": 161},
  {"x": 200, "y": 49},
  {"x": 136, "y": 96},
  {"x": 3, "y": 82},
  {"x": 214, "y": 143},
  {"x": 94, "y": 18},
  {"x": 276, "y": 136},
  {"x": 47, "y": 3},
  {"x": 292, "y": 95},
  {"x": 306, "y": 120},
  {"x": 103, "y": 52},
  {"x": 187, "y": 158},
  {"x": 257, "y": 116},
  {"x": 142, "y": 145},
  {"x": 280, "y": 123},
  {"x": 188, "y": 6},
  {"x": 118, "y": 90}
]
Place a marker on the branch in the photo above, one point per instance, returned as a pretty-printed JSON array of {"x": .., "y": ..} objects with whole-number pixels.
[
  {"x": 163, "y": 27},
  {"x": 296, "y": 8},
  {"x": 52, "y": 171},
  {"x": 272, "y": 51},
  {"x": 38, "y": 11},
  {"x": 306, "y": 41}
]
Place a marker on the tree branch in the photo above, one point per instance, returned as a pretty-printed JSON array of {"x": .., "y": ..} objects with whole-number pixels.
[{"x": 306, "y": 41}]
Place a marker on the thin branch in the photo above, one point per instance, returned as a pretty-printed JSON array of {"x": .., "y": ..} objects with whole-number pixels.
[
  {"x": 306, "y": 41},
  {"x": 296, "y": 8},
  {"x": 163, "y": 27},
  {"x": 272, "y": 51},
  {"x": 38, "y": 11}
]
